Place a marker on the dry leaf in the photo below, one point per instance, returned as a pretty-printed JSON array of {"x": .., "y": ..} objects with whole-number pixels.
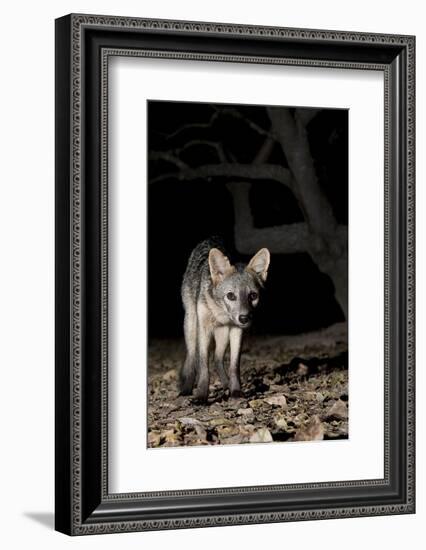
[
  {"x": 169, "y": 375},
  {"x": 277, "y": 400},
  {"x": 261, "y": 436},
  {"x": 281, "y": 422},
  {"x": 258, "y": 403},
  {"x": 302, "y": 370},
  {"x": 196, "y": 424},
  {"x": 246, "y": 413},
  {"x": 312, "y": 431},
  {"x": 154, "y": 439}
]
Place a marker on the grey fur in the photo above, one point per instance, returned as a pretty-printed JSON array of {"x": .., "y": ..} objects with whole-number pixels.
[{"x": 219, "y": 300}]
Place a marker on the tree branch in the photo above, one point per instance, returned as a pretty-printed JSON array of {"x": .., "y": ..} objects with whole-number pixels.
[
  {"x": 236, "y": 114},
  {"x": 197, "y": 142},
  {"x": 168, "y": 156},
  {"x": 194, "y": 125},
  {"x": 250, "y": 171},
  {"x": 265, "y": 150},
  {"x": 306, "y": 115}
]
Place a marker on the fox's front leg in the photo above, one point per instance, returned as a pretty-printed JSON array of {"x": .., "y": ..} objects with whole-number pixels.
[
  {"x": 204, "y": 334},
  {"x": 221, "y": 336},
  {"x": 235, "y": 339}
]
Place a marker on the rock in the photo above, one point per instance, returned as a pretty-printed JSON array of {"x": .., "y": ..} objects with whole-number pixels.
[
  {"x": 278, "y": 400},
  {"x": 312, "y": 431},
  {"x": 261, "y": 436},
  {"x": 338, "y": 410}
]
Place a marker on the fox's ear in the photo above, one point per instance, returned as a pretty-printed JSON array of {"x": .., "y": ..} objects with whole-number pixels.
[
  {"x": 260, "y": 263},
  {"x": 219, "y": 265}
]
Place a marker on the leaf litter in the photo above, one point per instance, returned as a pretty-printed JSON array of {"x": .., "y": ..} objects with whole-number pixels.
[{"x": 295, "y": 388}]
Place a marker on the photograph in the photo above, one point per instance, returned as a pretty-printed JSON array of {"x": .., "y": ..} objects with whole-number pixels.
[
  {"x": 234, "y": 273},
  {"x": 213, "y": 250},
  {"x": 247, "y": 266}
]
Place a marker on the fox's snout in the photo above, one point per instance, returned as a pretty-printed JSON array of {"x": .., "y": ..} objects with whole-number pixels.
[{"x": 245, "y": 319}]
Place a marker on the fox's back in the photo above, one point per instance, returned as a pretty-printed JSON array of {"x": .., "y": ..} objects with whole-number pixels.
[{"x": 197, "y": 274}]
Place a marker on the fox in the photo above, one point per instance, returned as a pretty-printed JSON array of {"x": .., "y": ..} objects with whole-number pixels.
[{"x": 219, "y": 301}]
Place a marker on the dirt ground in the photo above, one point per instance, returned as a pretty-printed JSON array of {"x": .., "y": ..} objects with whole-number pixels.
[{"x": 295, "y": 388}]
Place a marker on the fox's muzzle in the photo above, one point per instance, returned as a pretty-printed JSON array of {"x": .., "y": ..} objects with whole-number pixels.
[{"x": 245, "y": 319}]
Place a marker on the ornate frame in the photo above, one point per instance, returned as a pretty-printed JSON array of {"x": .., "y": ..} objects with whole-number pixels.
[{"x": 84, "y": 44}]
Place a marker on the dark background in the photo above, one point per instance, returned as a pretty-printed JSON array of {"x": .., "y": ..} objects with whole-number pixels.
[{"x": 298, "y": 297}]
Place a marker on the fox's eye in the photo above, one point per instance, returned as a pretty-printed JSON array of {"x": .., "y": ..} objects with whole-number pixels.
[
  {"x": 231, "y": 296},
  {"x": 253, "y": 296}
]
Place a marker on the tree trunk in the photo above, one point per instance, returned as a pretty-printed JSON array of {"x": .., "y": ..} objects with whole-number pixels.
[{"x": 330, "y": 255}]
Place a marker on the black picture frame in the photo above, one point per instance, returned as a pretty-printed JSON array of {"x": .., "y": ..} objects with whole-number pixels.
[{"x": 83, "y": 504}]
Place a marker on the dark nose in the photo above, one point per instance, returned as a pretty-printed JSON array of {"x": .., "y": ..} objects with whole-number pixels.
[{"x": 244, "y": 319}]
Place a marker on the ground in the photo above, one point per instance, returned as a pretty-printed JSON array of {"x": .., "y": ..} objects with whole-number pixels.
[{"x": 295, "y": 389}]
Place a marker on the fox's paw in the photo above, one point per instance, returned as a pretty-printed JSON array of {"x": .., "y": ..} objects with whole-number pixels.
[
  {"x": 185, "y": 391},
  {"x": 199, "y": 400},
  {"x": 200, "y": 396},
  {"x": 186, "y": 385},
  {"x": 236, "y": 394}
]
